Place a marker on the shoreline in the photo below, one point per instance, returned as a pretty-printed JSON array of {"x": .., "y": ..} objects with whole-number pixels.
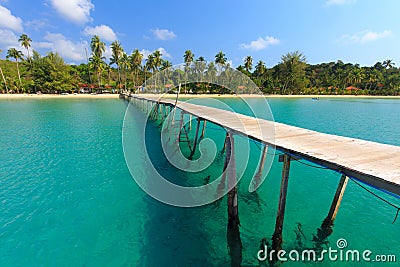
[
  {"x": 104, "y": 96},
  {"x": 54, "y": 96},
  {"x": 267, "y": 96}
]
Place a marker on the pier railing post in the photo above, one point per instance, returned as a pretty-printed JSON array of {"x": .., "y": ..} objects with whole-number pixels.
[{"x": 277, "y": 236}]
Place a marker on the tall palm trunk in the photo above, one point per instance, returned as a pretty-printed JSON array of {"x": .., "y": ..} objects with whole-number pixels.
[
  {"x": 98, "y": 77},
  {"x": 4, "y": 79},
  {"x": 19, "y": 75}
]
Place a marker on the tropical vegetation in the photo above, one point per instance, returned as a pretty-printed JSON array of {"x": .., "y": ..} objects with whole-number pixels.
[{"x": 292, "y": 75}]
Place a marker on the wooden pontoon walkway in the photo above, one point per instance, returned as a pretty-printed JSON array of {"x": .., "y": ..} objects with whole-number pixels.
[{"x": 373, "y": 163}]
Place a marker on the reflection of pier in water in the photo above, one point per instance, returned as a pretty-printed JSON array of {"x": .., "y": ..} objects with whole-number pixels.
[{"x": 372, "y": 163}]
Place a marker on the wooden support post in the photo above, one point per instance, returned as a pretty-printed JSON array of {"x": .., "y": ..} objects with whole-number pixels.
[
  {"x": 233, "y": 211},
  {"x": 195, "y": 139},
  {"x": 190, "y": 122},
  {"x": 180, "y": 128},
  {"x": 337, "y": 199},
  {"x": 203, "y": 130},
  {"x": 226, "y": 138},
  {"x": 257, "y": 177},
  {"x": 222, "y": 184},
  {"x": 277, "y": 236}
]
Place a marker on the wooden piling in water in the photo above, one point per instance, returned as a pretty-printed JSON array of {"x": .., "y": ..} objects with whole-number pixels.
[
  {"x": 203, "y": 130},
  {"x": 277, "y": 236},
  {"x": 230, "y": 160},
  {"x": 195, "y": 139},
  {"x": 257, "y": 176},
  {"x": 337, "y": 199}
]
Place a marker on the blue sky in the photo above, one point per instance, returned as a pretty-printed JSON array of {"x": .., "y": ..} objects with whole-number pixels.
[{"x": 356, "y": 31}]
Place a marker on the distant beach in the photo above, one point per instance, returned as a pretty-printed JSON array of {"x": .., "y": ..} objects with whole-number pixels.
[{"x": 43, "y": 96}]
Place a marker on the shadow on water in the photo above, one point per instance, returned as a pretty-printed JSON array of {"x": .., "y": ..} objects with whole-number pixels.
[{"x": 175, "y": 236}]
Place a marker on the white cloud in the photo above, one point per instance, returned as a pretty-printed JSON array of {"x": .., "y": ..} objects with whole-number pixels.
[
  {"x": 9, "y": 21},
  {"x": 261, "y": 43},
  {"x": 163, "y": 52},
  {"x": 365, "y": 36},
  {"x": 163, "y": 34},
  {"x": 66, "y": 48},
  {"x": 103, "y": 31},
  {"x": 77, "y": 11},
  {"x": 339, "y": 2},
  {"x": 37, "y": 24},
  {"x": 8, "y": 39}
]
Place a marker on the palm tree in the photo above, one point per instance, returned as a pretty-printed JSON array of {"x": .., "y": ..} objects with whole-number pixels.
[
  {"x": 136, "y": 59},
  {"x": 188, "y": 58},
  {"x": 16, "y": 54},
  {"x": 388, "y": 64},
  {"x": 165, "y": 67},
  {"x": 149, "y": 64},
  {"x": 157, "y": 59},
  {"x": 25, "y": 42},
  {"x": 248, "y": 63},
  {"x": 2, "y": 75},
  {"x": 126, "y": 65},
  {"x": 98, "y": 48},
  {"x": 260, "y": 68},
  {"x": 117, "y": 53},
  {"x": 220, "y": 59}
]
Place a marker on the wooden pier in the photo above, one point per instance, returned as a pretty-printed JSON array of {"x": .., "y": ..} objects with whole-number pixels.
[{"x": 372, "y": 163}]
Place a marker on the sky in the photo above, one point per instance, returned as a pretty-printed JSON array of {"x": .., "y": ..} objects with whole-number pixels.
[{"x": 355, "y": 31}]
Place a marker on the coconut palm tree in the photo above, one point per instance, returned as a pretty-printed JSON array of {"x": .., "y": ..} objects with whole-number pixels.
[
  {"x": 220, "y": 59},
  {"x": 25, "y": 42},
  {"x": 97, "y": 60},
  {"x": 157, "y": 59},
  {"x": 388, "y": 64},
  {"x": 248, "y": 63},
  {"x": 2, "y": 75},
  {"x": 117, "y": 53},
  {"x": 188, "y": 58},
  {"x": 125, "y": 65},
  {"x": 16, "y": 54},
  {"x": 136, "y": 59}
]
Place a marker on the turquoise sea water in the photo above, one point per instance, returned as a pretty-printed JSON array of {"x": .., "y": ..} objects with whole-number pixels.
[{"x": 68, "y": 199}]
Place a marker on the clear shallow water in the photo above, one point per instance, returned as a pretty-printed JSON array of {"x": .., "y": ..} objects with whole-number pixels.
[{"x": 67, "y": 197}]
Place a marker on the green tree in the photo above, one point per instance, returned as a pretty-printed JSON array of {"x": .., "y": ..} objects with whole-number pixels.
[
  {"x": 117, "y": 53},
  {"x": 136, "y": 59},
  {"x": 25, "y": 42},
  {"x": 97, "y": 60},
  {"x": 220, "y": 59},
  {"x": 17, "y": 55},
  {"x": 248, "y": 63},
  {"x": 188, "y": 58},
  {"x": 388, "y": 64},
  {"x": 52, "y": 74},
  {"x": 292, "y": 70},
  {"x": 2, "y": 75}
]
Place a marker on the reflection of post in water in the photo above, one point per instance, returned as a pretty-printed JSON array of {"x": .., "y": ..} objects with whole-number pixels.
[
  {"x": 233, "y": 233},
  {"x": 326, "y": 228}
]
